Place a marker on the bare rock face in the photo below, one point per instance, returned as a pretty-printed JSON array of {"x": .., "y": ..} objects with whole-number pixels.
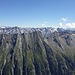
[{"x": 37, "y": 51}]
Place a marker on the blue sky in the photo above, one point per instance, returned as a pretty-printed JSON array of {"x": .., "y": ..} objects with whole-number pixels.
[{"x": 37, "y": 13}]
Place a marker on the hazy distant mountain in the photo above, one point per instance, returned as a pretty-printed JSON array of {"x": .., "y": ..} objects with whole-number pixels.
[{"x": 37, "y": 51}]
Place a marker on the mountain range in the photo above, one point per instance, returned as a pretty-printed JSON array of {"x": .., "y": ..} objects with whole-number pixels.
[{"x": 37, "y": 51}]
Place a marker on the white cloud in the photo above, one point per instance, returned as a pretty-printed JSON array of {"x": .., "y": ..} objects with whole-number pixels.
[
  {"x": 43, "y": 24},
  {"x": 70, "y": 25},
  {"x": 60, "y": 24},
  {"x": 64, "y": 19}
]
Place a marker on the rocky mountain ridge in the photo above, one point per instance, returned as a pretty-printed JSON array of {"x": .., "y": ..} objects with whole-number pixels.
[{"x": 37, "y": 51}]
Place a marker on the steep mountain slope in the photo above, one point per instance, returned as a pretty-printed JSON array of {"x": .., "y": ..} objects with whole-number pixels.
[{"x": 31, "y": 51}]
